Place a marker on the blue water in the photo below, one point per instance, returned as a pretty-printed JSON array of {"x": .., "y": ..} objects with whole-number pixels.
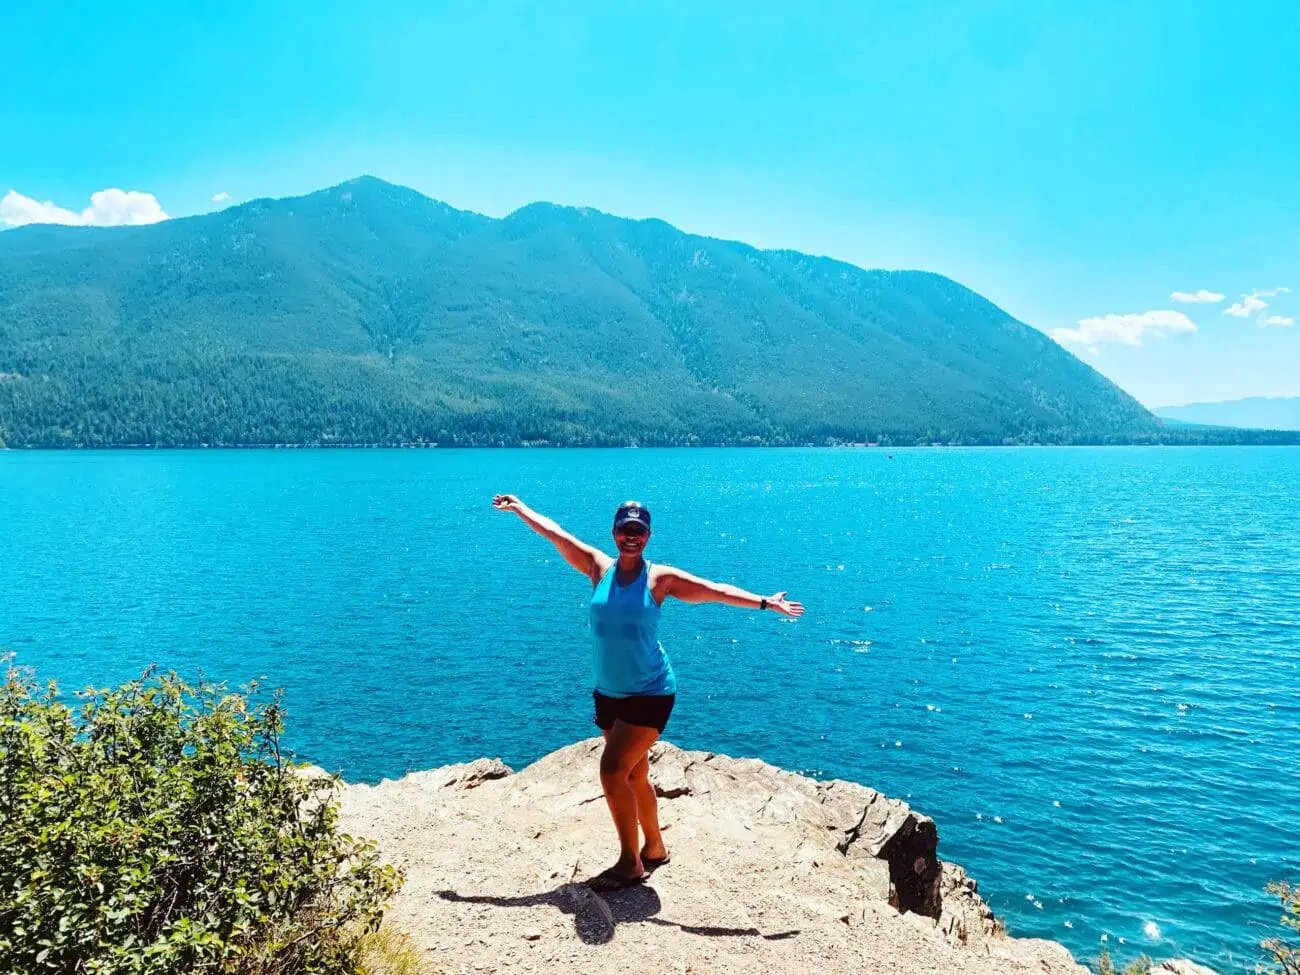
[{"x": 1081, "y": 662}]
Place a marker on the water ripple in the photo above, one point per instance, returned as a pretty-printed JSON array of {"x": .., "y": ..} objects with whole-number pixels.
[{"x": 1142, "y": 605}]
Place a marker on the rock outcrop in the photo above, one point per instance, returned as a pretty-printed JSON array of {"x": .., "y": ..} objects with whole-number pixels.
[
  {"x": 1181, "y": 966},
  {"x": 770, "y": 872}
]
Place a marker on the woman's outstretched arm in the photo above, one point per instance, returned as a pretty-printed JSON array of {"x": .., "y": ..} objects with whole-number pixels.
[
  {"x": 587, "y": 559},
  {"x": 693, "y": 589}
]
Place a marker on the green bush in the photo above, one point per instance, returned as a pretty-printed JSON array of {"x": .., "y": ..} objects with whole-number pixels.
[
  {"x": 1285, "y": 951},
  {"x": 157, "y": 827}
]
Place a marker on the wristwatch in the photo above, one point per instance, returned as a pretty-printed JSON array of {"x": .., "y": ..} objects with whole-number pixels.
[{"x": 762, "y": 603}]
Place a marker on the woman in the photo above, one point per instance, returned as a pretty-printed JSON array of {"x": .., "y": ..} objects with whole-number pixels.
[{"x": 635, "y": 687}]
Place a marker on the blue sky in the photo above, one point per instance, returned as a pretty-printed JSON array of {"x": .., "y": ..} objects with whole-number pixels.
[{"x": 1070, "y": 161}]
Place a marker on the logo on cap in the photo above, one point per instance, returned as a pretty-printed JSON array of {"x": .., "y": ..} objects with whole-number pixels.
[{"x": 632, "y": 511}]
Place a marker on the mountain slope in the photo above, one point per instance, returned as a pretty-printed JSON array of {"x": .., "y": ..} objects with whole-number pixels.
[
  {"x": 367, "y": 313},
  {"x": 1257, "y": 412}
]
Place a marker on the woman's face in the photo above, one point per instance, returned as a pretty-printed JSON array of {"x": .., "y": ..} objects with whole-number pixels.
[{"x": 631, "y": 539}]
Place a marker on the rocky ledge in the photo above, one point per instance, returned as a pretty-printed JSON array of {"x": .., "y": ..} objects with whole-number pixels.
[{"x": 770, "y": 872}]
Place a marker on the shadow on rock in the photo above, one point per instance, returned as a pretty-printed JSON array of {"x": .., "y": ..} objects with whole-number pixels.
[
  {"x": 714, "y": 932},
  {"x": 596, "y": 916}
]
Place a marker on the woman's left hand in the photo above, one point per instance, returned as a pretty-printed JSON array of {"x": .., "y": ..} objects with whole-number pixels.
[{"x": 779, "y": 603}]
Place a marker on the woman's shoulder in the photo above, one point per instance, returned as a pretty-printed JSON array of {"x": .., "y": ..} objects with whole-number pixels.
[
  {"x": 658, "y": 578},
  {"x": 660, "y": 571}
]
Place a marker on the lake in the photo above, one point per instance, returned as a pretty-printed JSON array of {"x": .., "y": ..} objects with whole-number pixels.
[{"x": 1083, "y": 663}]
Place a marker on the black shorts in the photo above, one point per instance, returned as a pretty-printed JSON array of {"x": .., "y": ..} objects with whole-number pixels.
[{"x": 646, "y": 710}]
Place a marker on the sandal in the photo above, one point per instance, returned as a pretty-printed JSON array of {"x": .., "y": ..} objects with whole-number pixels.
[{"x": 608, "y": 881}]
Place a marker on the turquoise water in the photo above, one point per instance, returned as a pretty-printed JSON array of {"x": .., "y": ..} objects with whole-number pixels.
[{"x": 1081, "y": 662}]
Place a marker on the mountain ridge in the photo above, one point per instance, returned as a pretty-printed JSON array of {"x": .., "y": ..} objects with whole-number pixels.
[
  {"x": 367, "y": 312},
  {"x": 1250, "y": 412}
]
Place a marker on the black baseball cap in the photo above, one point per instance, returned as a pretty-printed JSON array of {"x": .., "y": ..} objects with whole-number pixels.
[{"x": 632, "y": 511}]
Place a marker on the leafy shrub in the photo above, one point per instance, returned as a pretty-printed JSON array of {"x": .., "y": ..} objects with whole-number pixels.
[
  {"x": 1285, "y": 951},
  {"x": 157, "y": 828}
]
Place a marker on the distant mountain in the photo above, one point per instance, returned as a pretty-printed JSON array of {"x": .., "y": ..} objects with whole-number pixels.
[
  {"x": 368, "y": 313},
  {"x": 1255, "y": 412}
]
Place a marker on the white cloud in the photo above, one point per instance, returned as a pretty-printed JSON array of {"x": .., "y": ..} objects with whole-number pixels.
[
  {"x": 108, "y": 208},
  {"x": 221, "y": 197},
  {"x": 1276, "y": 321},
  {"x": 1126, "y": 329},
  {"x": 115, "y": 208},
  {"x": 1251, "y": 304},
  {"x": 1203, "y": 295},
  {"x": 17, "y": 210},
  {"x": 1247, "y": 306}
]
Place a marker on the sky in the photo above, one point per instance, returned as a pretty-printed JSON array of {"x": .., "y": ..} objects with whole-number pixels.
[{"x": 1124, "y": 176}]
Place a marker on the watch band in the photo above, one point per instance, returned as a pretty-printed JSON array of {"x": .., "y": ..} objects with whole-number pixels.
[{"x": 762, "y": 603}]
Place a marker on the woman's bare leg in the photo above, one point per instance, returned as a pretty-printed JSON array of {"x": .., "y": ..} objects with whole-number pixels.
[
  {"x": 625, "y": 747},
  {"x": 647, "y": 811}
]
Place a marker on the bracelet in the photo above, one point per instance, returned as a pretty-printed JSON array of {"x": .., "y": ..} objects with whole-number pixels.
[{"x": 762, "y": 603}]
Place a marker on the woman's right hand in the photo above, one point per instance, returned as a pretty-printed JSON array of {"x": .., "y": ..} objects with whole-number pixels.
[{"x": 507, "y": 502}]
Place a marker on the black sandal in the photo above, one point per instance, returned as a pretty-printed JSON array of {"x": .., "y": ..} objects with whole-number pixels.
[{"x": 608, "y": 881}]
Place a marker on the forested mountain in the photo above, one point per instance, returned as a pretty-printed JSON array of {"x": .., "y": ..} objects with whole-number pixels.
[
  {"x": 1260, "y": 412},
  {"x": 368, "y": 313}
]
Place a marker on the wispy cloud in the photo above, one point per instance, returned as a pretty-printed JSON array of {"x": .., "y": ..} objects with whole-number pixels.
[
  {"x": 224, "y": 197},
  {"x": 1276, "y": 321},
  {"x": 1252, "y": 304},
  {"x": 108, "y": 208},
  {"x": 1125, "y": 329},
  {"x": 1247, "y": 306},
  {"x": 1201, "y": 297}
]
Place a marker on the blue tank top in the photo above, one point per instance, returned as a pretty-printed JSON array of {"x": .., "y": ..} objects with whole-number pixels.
[{"x": 628, "y": 657}]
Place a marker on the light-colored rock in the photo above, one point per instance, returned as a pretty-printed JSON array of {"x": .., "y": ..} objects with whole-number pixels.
[
  {"x": 770, "y": 872},
  {"x": 966, "y": 919},
  {"x": 468, "y": 775},
  {"x": 1181, "y": 966},
  {"x": 310, "y": 772}
]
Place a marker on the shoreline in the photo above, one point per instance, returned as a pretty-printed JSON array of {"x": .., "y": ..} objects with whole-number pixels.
[{"x": 1291, "y": 439}]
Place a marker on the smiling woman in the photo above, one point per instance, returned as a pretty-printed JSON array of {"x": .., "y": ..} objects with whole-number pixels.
[{"x": 635, "y": 687}]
